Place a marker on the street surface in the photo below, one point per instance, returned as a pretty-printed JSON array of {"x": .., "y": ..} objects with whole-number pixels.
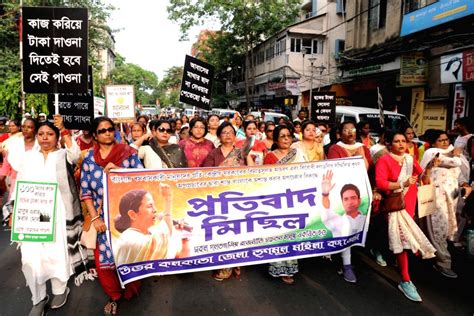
[{"x": 318, "y": 290}]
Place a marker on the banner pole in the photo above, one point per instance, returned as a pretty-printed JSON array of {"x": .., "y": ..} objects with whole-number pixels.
[{"x": 56, "y": 103}]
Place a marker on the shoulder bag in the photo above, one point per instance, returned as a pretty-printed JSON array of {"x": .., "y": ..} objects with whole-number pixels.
[{"x": 393, "y": 202}]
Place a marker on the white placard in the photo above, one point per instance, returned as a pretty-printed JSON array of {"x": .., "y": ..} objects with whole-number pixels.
[
  {"x": 99, "y": 107},
  {"x": 120, "y": 102}
]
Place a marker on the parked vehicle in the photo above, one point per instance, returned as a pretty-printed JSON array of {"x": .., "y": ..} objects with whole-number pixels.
[
  {"x": 271, "y": 116},
  {"x": 149, "y": 110},
  {"x": 223, "y": 112},
  {"x": 393, "y": 121}
]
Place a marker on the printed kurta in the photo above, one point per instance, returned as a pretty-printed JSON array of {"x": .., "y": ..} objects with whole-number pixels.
[
  {"x": 93, "y": 188},
  {"x": 196, "y": 152}
]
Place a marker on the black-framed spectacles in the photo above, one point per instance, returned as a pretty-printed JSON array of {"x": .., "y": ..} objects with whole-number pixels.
[{"x": 104, "y": 130}]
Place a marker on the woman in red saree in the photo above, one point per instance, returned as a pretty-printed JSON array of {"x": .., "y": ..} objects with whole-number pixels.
[{"x": 103, "y": 157}]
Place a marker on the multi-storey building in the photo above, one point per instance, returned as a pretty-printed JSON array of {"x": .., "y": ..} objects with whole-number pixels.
[
  {"x": 301, "y": 56},
  {"x": 106, "y": 55},
  {"x": 417, "y": 52}
]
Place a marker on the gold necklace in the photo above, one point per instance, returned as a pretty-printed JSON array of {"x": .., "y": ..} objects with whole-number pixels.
[{"x": 399, "y": 159}]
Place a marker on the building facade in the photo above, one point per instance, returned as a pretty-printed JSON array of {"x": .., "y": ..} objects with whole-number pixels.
[
  {"x": 418, "y": 53},
  {"x": 106, "y": 55},
  {"x": 300, "y": 57}
]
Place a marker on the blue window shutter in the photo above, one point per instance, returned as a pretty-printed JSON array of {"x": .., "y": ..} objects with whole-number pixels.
[
  {"x": 339, "y": 47},
  {"x": 340, "y": 7}
]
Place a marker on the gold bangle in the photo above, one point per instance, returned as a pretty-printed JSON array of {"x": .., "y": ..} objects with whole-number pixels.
[{"x": 93, "y": 219}]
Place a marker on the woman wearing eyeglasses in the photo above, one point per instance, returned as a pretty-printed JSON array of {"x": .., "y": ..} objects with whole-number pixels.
[
  {"x": 283, "y": 154},
  {"x": 348, "y": 147},
  {"x": 196, "y": 147},
  {"x": 103, "y": 157},
  {"x": 160, "y": 153},
  {"x": 268, "y": 141},
  {"x": 442, "y": 224},
  {"x": 227, "y": 155}
]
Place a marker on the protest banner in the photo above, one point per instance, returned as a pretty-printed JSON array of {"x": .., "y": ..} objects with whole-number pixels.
[
  {"x": 196, "y": 85},
  {"x": 77, "y": 109},
  {"x": 54, "y": 49},
  {"x": 230, "y": 216},
  {"x": 34, "y": 212},
  {"x": 120, "y": 102},
  {"x": 323, "y": 106}
]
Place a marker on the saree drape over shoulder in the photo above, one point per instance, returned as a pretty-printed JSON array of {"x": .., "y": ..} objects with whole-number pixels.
[
  {"x": 287, "y": 267},
  {"x": 403, "y": 232}
]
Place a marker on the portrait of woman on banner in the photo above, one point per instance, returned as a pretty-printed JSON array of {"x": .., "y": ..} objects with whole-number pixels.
[{"x": 141, "y": 238}]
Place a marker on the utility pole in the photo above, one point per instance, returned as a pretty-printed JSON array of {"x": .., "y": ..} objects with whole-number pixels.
[
  {"x": 321, "y": 69},
  {"x": 311, "y": 60},
  {"x": 22, "y": 98}
]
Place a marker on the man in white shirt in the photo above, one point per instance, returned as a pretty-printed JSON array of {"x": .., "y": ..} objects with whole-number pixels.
[
  {"x": 347, "y": 224},
  {"x": 301, "y": 116},
  {"x": 462, "y": 126}
]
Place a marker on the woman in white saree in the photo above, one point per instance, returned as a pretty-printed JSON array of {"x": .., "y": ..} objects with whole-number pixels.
[{"x": 442, "y": 224}]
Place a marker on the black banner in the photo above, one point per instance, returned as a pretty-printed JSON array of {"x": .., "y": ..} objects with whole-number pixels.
[
  {"x": 323, "y": 107},
  {"x": 54, "y": 43},
  {"x": 196, "y": 86},
  {"x": 77, "y": 109}
]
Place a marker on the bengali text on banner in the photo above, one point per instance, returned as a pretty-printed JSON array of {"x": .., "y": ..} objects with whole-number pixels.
[{"x": 183, "y": 220}]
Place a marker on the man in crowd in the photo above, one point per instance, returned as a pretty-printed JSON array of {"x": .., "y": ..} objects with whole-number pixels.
[{"x": 301, "y": 116}]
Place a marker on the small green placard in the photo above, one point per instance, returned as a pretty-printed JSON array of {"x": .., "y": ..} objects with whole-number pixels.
[{"x": 34, "y": 214}]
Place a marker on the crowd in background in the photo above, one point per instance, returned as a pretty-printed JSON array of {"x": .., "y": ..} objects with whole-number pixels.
[{"x": 396, "y": 162}]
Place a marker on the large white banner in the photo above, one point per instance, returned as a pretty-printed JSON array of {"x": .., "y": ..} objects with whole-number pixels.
[{"x": 182, "y": 220}]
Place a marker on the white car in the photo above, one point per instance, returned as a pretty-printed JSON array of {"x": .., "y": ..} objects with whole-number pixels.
[
  {"x": 271, "y": 116},
  {"x": 223, "y": 112},
  {"x": 393, "y": 121}
]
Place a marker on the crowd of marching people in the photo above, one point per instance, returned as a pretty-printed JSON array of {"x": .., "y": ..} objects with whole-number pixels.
[{"x": 397, "y": 165}]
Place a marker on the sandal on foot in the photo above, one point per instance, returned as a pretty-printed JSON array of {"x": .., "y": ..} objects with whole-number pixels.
[
  {"x": 288, "y": 280},
  {"x": 110, "y": 308},
  {"x": 222, "y": 274},
  {"x": 236, "y": 272}
]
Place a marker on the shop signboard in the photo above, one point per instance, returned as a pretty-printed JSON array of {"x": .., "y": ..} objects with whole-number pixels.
[
  {"x": 437, "y": 13},
  {"x": 457, "y": 67},
  {"x": 413, "y": 69}
]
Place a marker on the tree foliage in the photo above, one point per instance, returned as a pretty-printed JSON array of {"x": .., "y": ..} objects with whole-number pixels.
[
  {"x": 143, "y": 80},
  {"x": 10, "y": 68},
  {"x": 224, "y": 53},
  {"x": 245, "y": 23},
  {"x": 169, "y": 87}
]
